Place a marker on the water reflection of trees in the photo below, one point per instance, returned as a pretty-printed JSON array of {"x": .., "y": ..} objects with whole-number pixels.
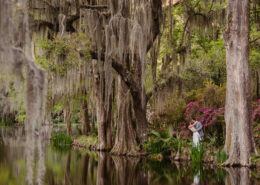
[
  {"x": 28, "y": 146},
  {"x": 129, "y": 171},
  {"x": 239, "y": 176},
  {"x": 89, "y": 168},
  {"x": 85, "y": 169},
  {"x": 118, "y": 170},
  {"x": 104, "y": 171},
  {"x": 67, "y": 178},
  {"x": 184, "y": 173}
]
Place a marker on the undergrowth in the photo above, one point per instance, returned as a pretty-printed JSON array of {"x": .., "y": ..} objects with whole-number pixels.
[
  {"x": 196, "y": 153},
  {"x": 221, "y": 156},
  {"x": 61, "y": 140}
]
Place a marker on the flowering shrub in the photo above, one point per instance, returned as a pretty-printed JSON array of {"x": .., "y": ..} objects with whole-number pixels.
[
  {"x": 205, "y": 105},
  {"x": 206, "y": 116},
  {"x": 256, "y": 111},
  {"x": 209, "y": 116},
  {"x": 256, "y": 121}
]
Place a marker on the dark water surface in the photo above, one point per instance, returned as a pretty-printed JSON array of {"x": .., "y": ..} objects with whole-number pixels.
[{"x": 74, "y": 167}]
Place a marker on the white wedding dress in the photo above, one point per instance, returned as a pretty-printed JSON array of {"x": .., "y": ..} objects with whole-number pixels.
[{"x": 196, "y": 139}]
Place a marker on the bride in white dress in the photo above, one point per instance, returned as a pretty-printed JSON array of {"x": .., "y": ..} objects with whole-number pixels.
[{"x": 196, "y": 128}]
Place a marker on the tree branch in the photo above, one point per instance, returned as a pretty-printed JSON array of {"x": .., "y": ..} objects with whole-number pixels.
[
  {"x": 127, "y": 78},
  {"x": 252, "y": 41},
  {"x": 96, "y": 7},
  {"x": 38, "y": 23},
  {"x": 125, "y": 74},
  {"x": 70, "y": 21},
  {"x": 156, "y": 16}
]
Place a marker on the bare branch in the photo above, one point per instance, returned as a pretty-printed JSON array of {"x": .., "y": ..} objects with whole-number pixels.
[{"x": 96, "y": 7}]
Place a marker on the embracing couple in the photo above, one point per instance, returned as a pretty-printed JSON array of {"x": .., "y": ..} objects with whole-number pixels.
[{"x": 196, "y": 128}]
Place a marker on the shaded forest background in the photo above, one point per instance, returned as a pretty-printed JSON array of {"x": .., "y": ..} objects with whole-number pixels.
[{"x": 172, "y": 72}]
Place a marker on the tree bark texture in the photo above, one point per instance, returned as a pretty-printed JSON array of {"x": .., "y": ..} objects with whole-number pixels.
[
  {"x": 127, "y": 172},
  {"x": 128, "y": 62},
  {"x": 126, "y": 136},
  {"x": 85, "y": 118},
  {"x": 104, "y": 117},
  {"x": 238, "y": 176},
  {"x": 239, "y": 140},
  {"x": 85, "y": 169},
  {"x": 67, "y": 117},
  {"x": 67, "y": 179},
  {"x": 104, "y": 170}
]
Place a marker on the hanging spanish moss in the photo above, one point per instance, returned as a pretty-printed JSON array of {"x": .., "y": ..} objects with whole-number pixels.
[{"x": 16, "y": 59}]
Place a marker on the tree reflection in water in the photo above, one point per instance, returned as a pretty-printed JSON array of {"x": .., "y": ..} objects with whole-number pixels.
[
  {"x": 67, "y": 179},
  {"x": 239, "y": 176},
  {"x": 89, "y": 168},
  {"x": 128, "y": 171},
  {"x": 85, "y": 169},
  {"x": 104, "y": 171}
]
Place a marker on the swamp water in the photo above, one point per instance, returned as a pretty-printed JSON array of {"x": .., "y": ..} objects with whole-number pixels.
[{"x": 73, "y": 167}]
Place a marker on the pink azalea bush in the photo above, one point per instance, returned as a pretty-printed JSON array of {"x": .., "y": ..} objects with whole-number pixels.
[
  {"x": 256, "y": 111},
  {"x": 205, "y": 105},
  {"x": 206, "y": 116},
  {"x": 256, "y": 121}
]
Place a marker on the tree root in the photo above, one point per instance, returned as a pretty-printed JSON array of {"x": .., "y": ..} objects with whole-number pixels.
[
  {"x": 102, "y": 148},
  {"x": 236, "y": 163},
  {"x": 125, "y": 152},
  {"x": 122, "y": 150}
]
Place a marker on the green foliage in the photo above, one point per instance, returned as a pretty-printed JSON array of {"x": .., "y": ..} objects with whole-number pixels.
[
  {"x": 63, "y": 53},
  {"x": 255, "y": 159},
  {"x": 57, "y": 108},
  {"x": 254, "y": 56},
  {"x": 175, "y": 112},
  {"x": 213, "y": 141},
  {"x": 196, "y": 153},
  {"x": 165, "y": 142},
  {"x": 206, "y": 62},
  {"x": 211, "y": 95},
  {"x": 221, "y": 174},
  {"x": 159, "y": 143},
  {"x": 221, "y": 156},
  {"x": 61, "y": 140},
  {"x": 6, "y": 122},
  {"x": 172, "y": 115},
  {"x": 20, "y": 118},
  {"x": 86, "y": 141}
]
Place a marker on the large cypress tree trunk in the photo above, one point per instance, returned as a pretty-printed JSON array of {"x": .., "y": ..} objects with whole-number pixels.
[
  {"x": 140, "y": 120},
  {"x": 125, "y": 137},
  {"x": 239, "y": 140},
  {"x": 103, "y": 117},
  {"x": 128, "y": 39}
]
